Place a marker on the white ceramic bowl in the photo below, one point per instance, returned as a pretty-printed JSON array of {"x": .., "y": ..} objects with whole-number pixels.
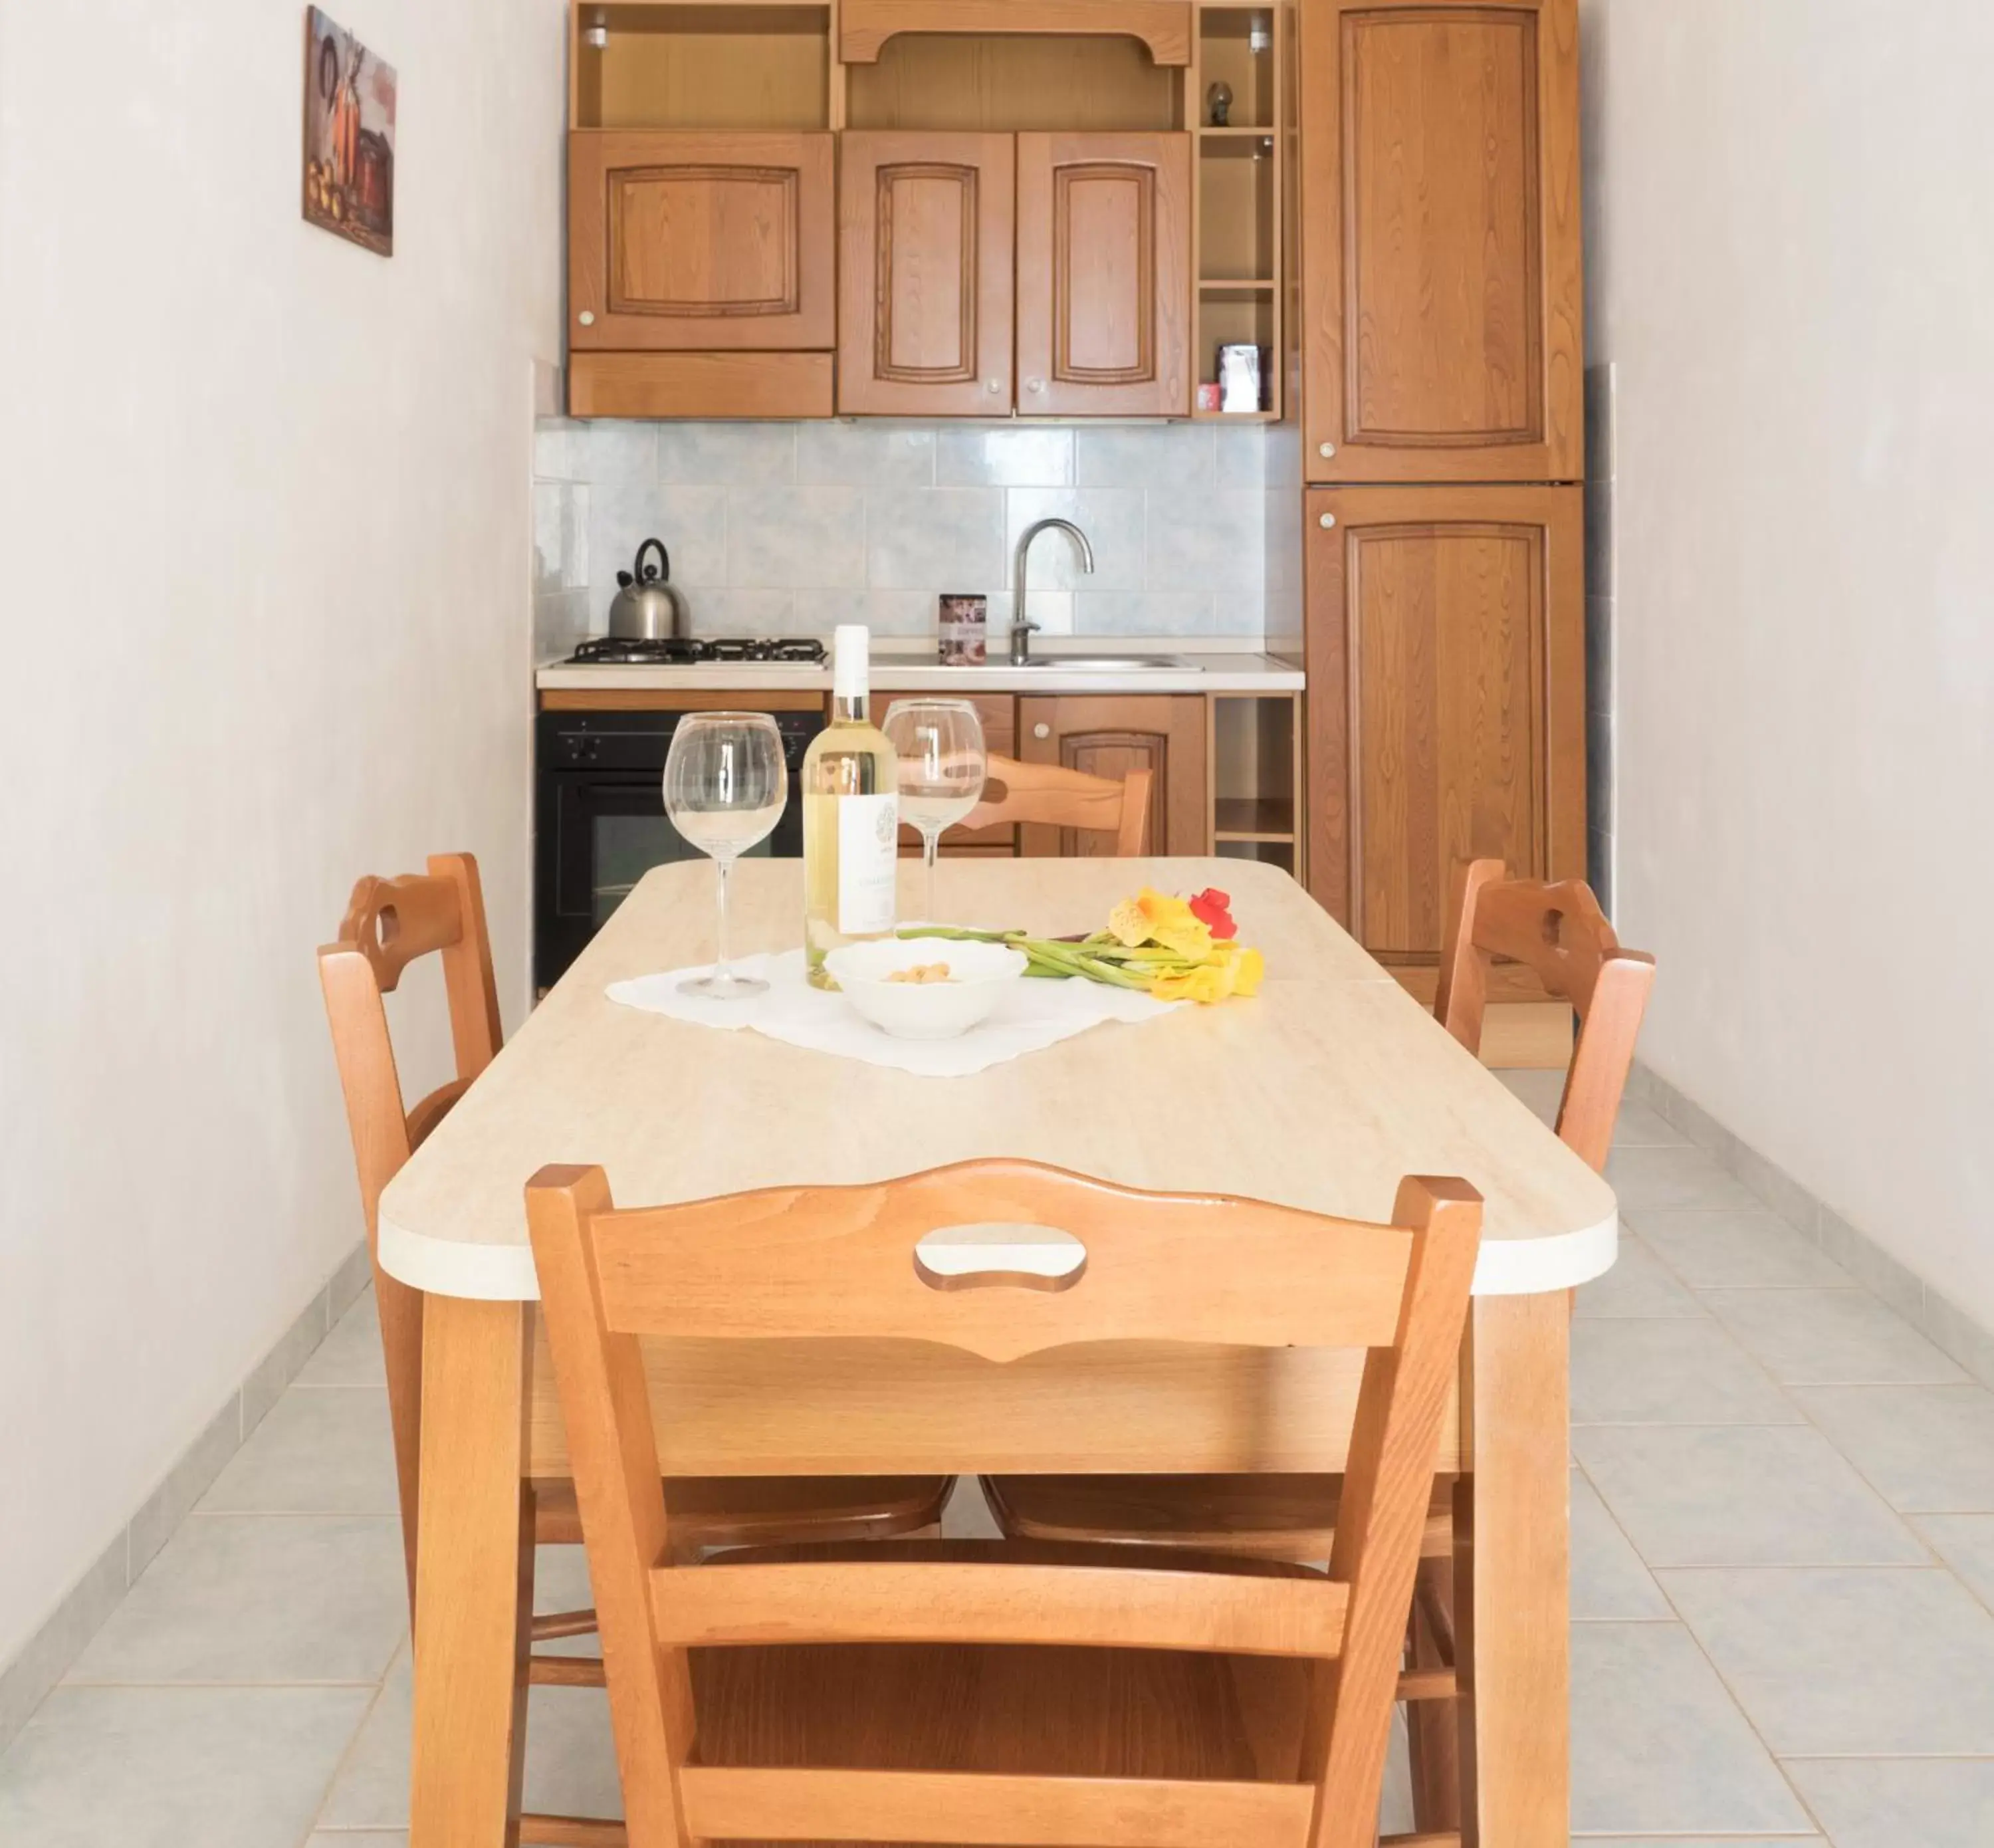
[{"x": 979, "y": 973}]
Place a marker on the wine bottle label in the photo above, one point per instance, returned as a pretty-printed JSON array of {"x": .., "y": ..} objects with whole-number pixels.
[{"x": 868, "y": 829}]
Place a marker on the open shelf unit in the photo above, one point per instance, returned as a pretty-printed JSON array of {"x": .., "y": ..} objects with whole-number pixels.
[
  {"x": 706, "y": 68},
  {"x": 1242, "y": 182},
  {"x": 1254, "y": 771}
]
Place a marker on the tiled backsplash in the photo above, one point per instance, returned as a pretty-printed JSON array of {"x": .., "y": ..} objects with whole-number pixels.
[{"x": 790, "y": 528}]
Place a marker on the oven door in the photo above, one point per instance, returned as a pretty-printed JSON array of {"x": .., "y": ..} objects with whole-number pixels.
[{"x": 600, "y": 832}]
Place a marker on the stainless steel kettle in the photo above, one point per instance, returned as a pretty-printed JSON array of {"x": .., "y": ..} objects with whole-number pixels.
[{"x": 648, "y": 606}]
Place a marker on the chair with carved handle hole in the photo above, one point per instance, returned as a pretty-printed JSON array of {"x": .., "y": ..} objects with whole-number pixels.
[
  {"x": 1058, "y": 797},
  {"x": 389, "y": 924},
  {"x": 1560, "y": 932},
  {"x": 1000, "y": 1691}
]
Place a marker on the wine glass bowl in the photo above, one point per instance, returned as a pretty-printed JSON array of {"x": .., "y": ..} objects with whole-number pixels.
[
  {"x": 940, "y": 744},
  {"x": 725, "y": 784}
]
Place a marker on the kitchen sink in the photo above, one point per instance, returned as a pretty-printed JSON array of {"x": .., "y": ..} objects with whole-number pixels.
[{"x": 1111, "y": 663}]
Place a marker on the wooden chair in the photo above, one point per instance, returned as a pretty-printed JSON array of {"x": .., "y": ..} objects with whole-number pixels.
[
  {"x": 999, "y": 1692},
  {"x": 1058, "y": 798},
  {"x": 1560, "y": 931},
  {"x": 390, "y": 924}
]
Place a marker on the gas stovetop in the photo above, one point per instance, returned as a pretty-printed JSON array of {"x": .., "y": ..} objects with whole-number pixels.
[{"x": 695, "y": 651}]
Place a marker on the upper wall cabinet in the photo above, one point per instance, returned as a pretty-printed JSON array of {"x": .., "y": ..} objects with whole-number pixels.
[
  {"x": 702, "y": 211},
  {"x": 925, "y": 302},
  {"x": 1104, "y": 275},
  {"x": 690, "y": 241},
  {"x": 1442, "y": 290}
]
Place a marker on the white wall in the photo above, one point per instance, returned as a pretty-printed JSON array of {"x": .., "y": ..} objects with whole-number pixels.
[
  {"x": 264, "y": 504},
  {"x": 1795, "y": 285}
]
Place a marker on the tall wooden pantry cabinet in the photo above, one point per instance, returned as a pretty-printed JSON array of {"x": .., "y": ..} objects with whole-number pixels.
[{"x": 1442, "y": 356}]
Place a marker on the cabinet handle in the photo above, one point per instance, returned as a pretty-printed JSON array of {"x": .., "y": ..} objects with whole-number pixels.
[
  {"x": 1042, "y": 731},
  {"x": 1326, "y": 450},
  {"x": 587, "y": 317},
  {"x": 1328, "y": 521},
  {"x": 993, "y": 385},
  {"x": 1035, "y": 385}
]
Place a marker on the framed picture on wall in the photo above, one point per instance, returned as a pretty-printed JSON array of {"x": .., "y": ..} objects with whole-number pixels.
[{"x": 349, "y": 156}]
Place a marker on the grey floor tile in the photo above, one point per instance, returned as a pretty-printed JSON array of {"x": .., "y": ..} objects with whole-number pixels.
[
  {"x": 364, "y": 1838},
  {"x": 570, "y": 1758},
  {"x": 570, "y": 1753},
  {"x": 166, "y": 1767},
  {"x": 260, "y": 1598},
  {"x": 1741, "y": 1495},
  {"x": 1674, "y": 1178},
  {"x": 350, "y": 1354},
  {"x": 371, "y": 1791},
  {"x": 1639, "y": 1287},
  {"x": 1658, "y": 1841},
  {"x": 1831, "y": 1338},
  {"x": 1837, "y": 1662},
  {"x": 1641, "y": 1126},
  {"x": 1542, "y": 1091},
  {"x": 1737, "y": 1250},
  {"x": 321, "y": 1451},
  {"x": 1609, "y": 1584},
  {"x": 1658, "y": 1745},
  {"x": 1669, "y": 1372},
  {"x": 967, "y": 1515},
  {"x": 1900, "y": 1802},
  {"x": 1927, "y": 1449},
  {"x": 1965, "y": 1542}
]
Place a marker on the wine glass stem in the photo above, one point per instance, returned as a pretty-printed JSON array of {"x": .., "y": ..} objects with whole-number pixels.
[
  {"x": 723, "y": 864},
  {"x": 930, "y": 848}
]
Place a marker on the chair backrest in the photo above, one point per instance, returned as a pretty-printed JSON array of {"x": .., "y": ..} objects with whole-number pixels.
[
  {"x": 390, "y": 923},
  {"x": 843, "y": 1261},
  {"x": 1058, "y": 798},
  {"x": 1560, "y": 932}
]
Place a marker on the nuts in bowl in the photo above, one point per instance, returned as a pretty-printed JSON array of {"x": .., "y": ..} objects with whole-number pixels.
[{"x": 925, "y": 987}]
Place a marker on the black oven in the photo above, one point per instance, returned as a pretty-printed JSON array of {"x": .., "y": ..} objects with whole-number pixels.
[{"x": 599, "y": 819}]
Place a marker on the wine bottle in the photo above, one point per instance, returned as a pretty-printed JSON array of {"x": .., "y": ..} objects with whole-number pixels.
[{"x": 851, "y": 820}]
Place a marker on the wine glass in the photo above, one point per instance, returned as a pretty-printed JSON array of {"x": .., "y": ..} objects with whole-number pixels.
[
  {"x": 940, "y": 742},
  {"x": 725, "y": 783}
]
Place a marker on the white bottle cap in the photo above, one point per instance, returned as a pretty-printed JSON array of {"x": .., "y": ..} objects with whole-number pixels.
[{"x": 850, "y": 659}]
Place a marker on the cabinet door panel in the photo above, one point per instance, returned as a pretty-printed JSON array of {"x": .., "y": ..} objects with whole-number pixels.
[
  {"x": 1109, "y": 736},
  {"x": 925, "y": 273},
  {"x": 696, "y": 242},
  {"x": 998, "y": 715},
  {"x": 1441, "y": 256},
  {"x": 1446, "y": 698},
  {"x": 1103, "y": 275}
]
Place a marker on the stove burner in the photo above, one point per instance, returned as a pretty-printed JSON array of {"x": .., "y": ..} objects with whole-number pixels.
[{"x": 688, "y": 651}]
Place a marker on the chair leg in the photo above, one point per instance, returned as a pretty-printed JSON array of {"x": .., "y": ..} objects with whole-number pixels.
[{"x": 1431, "y": 1725}]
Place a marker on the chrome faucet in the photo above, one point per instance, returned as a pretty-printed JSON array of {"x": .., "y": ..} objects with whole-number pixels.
[{"x": 1021, "y": 624}]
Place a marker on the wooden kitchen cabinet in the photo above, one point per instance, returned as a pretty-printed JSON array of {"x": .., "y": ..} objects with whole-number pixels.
[
  {"x": 1108, "y": 735},
  {"x": 1446, "y": 658},
  {"x": 701, "y": 273},
  {"x": 925, "y": 241},
  {"x": 998, "y": 713},
  {"x": 1105, "y": 275},
  {"x": 1442, "y": 334}
]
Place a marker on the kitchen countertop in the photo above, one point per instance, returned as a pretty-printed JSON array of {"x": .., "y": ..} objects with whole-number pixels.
[{"x": 1239, "y": 671}]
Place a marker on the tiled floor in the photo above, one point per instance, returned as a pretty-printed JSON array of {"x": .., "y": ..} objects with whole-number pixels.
[{"x": 1783, "y": 1587}]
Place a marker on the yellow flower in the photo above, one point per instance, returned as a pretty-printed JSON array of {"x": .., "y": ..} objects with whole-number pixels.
[
  {"x": 1128, "y": 925},
  {"x": 1229, "y": 970},
  {"x": 1172, "y": 924}
]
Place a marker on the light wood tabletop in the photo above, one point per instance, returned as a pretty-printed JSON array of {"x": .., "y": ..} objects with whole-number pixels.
[{"x": 1321, "y": 1093}]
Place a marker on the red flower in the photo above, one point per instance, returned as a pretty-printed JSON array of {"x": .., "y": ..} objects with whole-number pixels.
[{"x": 1212, "y": 908}]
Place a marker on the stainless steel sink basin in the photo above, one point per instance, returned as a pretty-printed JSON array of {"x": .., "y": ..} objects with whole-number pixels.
[{"x": 1099, "y": 664}]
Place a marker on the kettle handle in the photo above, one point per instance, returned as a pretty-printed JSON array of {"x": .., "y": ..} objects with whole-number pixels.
[{"x": 664, "y": 560}]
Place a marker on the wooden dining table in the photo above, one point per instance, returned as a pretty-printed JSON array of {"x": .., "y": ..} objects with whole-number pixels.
[{"x": 1321, "y": 1092}]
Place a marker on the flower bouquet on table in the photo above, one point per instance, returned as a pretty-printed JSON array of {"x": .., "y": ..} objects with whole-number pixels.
[{"x": 1176, "y": 949}]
